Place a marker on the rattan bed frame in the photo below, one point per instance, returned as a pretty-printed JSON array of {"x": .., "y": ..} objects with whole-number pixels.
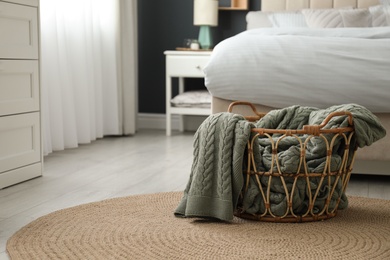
[{"x": 374, "y": 159}]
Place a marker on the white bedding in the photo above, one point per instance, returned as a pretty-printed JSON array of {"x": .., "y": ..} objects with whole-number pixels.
[{"x": 279, "y": 67}]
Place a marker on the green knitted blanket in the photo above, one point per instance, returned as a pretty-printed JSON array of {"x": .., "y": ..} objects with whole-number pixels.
[{"x": 216, "y": 178}]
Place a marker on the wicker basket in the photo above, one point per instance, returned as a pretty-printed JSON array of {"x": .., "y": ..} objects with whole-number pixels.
[{"x": 327, "y": 180}]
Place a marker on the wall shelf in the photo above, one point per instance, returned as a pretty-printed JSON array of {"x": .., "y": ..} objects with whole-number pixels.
[{"x": 233, "y": 5}]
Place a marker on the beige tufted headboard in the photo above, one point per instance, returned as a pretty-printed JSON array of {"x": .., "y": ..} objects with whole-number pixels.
[{"x": 280, "y": 5}]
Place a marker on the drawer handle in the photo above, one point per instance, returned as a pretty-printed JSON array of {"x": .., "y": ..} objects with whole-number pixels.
[{"x": 199, "y": 67}]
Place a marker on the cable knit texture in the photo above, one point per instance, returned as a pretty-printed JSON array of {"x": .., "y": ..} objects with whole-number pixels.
[{"x": 216, "y": 178}]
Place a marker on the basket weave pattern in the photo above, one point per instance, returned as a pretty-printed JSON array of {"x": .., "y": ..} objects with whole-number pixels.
[{"x": 322, "y": 200}]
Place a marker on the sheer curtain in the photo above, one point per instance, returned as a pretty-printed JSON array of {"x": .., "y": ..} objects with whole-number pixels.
[{"x": 88, "y": 70}]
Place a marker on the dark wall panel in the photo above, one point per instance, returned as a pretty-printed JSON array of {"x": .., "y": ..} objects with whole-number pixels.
[{"x": 163, "y": 25}]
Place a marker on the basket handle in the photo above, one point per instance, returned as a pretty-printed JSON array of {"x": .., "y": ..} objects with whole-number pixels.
[
  {"x": 257, "y": 116},
  {"x": 315, "y": 129},
  {"x": 339, "y": 113}
]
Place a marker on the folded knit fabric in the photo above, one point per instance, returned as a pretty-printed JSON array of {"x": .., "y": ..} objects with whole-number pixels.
[{"x": 216, "y": 175}]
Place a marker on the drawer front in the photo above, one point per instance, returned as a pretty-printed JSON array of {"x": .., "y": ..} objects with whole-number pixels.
[
  {"x": 20, "y": 174},
  {"x": 19, "y": 31},
  {"x": 19, "y": 86},
  {"x": 23, "y": 2},
  {"x": 20, "y": 142},
  {"x": 186, "y": 66}
]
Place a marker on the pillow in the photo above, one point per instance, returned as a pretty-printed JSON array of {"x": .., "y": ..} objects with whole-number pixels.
[
  {"x": 385, "y": 2},
  {"x": 387, "y": 13},
  {"x": 323, "y": 18},
  {"x": 288, "y": 19},
  {"x": 378, "y": 15},
  {"x": 356, "y": 18},
  {"x": 257, "y": 19}
]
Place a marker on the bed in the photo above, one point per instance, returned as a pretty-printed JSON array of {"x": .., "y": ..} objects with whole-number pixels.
[{"x": 346, "y": 80}]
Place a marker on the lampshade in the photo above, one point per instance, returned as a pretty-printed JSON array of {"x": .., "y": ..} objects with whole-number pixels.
[{"x": 206, "y": 12}]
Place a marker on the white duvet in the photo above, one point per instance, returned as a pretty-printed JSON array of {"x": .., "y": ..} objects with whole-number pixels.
[{"x": 311, "y": 67}]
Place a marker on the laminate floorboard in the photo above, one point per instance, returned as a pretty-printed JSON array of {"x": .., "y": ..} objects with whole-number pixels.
[{"x": 148, "y": 162}]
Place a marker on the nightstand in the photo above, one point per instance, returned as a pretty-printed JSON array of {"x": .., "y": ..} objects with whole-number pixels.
[{"x": 183, "y": 64}]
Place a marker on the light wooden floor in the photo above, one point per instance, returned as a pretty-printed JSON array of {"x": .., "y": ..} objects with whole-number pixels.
[{"x": 148, "y": 162}]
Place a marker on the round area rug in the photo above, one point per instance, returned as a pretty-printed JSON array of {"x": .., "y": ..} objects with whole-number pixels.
[{"x": 144, "y": 227}]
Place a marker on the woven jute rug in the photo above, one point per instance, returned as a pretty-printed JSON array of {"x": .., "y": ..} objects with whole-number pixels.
[{"x": 144, "y": 227}]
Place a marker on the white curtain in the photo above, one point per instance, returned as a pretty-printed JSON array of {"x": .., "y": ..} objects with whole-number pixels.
[{"x": 88, "y": 75}]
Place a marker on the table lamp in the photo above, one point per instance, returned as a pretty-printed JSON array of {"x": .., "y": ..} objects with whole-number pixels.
[{"x": 205, "y": 15}]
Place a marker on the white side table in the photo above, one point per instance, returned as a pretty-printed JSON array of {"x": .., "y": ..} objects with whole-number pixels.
[{"x": 183, "y": 64}]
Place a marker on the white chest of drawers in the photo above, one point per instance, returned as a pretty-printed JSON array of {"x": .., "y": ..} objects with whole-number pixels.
[{"x": 20, "y": 118}]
